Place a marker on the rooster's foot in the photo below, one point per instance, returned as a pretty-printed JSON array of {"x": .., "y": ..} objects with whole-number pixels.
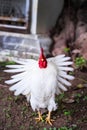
[
  {"x": 39, "y": 118},
  {"x": 48, "y": 119}
]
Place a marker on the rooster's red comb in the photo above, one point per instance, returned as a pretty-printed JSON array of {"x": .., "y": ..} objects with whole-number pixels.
[{"x": 42, "y": 60}]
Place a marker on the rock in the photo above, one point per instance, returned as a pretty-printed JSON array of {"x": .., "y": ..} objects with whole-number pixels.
[{"x": 81, "y": 45}]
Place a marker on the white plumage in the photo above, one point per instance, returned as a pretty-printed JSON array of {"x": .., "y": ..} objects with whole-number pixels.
[{"x": 41, "y": 84}]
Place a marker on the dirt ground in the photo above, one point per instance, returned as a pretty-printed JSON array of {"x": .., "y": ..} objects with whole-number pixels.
[{"x": 16, "y": 113}]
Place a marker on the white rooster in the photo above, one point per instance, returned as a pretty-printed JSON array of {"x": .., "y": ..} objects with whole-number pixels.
[{"x": 40, "y": 81}]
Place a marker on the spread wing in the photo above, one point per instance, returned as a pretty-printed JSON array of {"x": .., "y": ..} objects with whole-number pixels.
[
  {"x": 63, "y": 66},
  {"x": 22, "y": 77}
]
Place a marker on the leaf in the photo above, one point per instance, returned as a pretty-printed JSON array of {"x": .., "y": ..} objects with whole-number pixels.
[
  {"x": 68, "y": 100},
  {"x": 80, "y": 86}
]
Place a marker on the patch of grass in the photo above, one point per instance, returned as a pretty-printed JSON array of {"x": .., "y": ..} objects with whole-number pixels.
[
  {"x": 44, "y": 117},
  {"x": 50, "y": 128},
  {"x": 80, "y": 62},
  {"x": 16, "y": 98},
  {"x": 67, "y": 113},
  {"x": 7, "y": 112},
  {"x": 64, "y": 128},
  {"x": 4, "y": 63},
  {"x": 31, "y": 127},
  {"x": 66, "y": 49},
  {"x": 78, "y": 96},
  {"x": 24, "y": 110},
  {"x": 60, "y": 97},
  {"x": 71, "y": 73},
  {"x": 8, "y": 115},
  {"x": 10, "y": 98},
  {"x": 22, "y": 127},
  {"x": 82, "y": 120},
  {"x": 67, "y": 128},
  {"x": 34, "y": 114},
  {"x": 85, "y": 98}
]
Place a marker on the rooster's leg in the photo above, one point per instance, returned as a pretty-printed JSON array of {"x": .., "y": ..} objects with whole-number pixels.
[
  {"x": 48, "y": 119},
  {"x": 39, "y": 118}
]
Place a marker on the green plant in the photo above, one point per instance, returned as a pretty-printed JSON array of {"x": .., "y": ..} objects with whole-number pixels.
[
  {"x": 85, "y": 98},
  {"x": 71, "y": 73},
  {"x": 16, "y": 98},
  {"x": 44, "y": 128},
  {"x": 78, "y": 96},
  {"x": 31, "y": 128},
  {"x": 66, "y": 128},
  {"x": 61, "y": 96},
  {"x": 24, "y": 108},
  {"x": 50, "y": 128},
  {"x": 22, "y": 127},
  {"x": 9, "y": 98},
  {"x": 66, "y": 49},
  {"x": 34, "y": 114},
  {"x": 4, "y": 63},
  {"x": 7, "y": 112},
  {"x": 80, "y": 62},
  {"x": 67, "y": 113}
]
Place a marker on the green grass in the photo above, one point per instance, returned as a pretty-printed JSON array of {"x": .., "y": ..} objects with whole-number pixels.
[
  {"x": 80, "y": 62},
  {"x": 66, "y": 49},
  {"x": 67, "y": 113},
  {"x": 85, "y": 98},
  {"x": 78, "y": 97},
  {"x": 74, "y": 127},
  {"x": 22, "y": 127},
  {"x": 3, "y": 64}
]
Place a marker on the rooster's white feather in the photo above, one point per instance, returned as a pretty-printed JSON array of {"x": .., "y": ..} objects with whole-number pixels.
[{"x": 40, "y": 85}]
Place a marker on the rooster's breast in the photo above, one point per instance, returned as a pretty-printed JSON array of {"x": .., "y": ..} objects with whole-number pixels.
[{"x": 43, "y": 83}]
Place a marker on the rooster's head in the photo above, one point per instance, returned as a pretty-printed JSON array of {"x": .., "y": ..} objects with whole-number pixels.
[{"x": 42, "y": 60}]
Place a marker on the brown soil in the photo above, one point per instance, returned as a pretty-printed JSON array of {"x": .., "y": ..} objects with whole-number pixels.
[{"x": 16, "y": 113}]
